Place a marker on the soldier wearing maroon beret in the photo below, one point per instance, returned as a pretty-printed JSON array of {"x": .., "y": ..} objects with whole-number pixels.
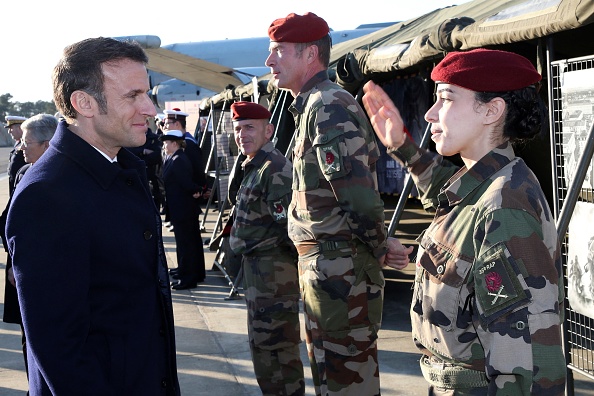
[
  {"x": 259, "y": 234},
  {"x": 488, "y": 297},
  {"x": 336, "y": 216}
]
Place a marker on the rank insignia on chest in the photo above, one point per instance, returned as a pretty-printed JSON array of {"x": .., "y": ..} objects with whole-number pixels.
[
  {"x": 330, "y": 160},
  {"x": 279, "y": 210}
]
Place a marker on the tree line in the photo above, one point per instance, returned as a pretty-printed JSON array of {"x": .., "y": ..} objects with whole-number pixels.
[{"x": 25, "y": 109}]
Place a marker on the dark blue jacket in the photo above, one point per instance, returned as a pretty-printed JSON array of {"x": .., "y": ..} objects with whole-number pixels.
[
  {"x": 91, "y": 275},
  {"x": 179, "y": 187}
]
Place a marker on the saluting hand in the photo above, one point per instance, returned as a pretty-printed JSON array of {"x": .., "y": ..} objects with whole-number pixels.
[{"x": 384, "y": 116}]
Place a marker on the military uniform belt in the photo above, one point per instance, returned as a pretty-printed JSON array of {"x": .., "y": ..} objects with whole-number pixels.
[
  {"x": 274, "y": 251},
  {"x": 448, "y": 376},
  {"x": 318, "y": 247}
]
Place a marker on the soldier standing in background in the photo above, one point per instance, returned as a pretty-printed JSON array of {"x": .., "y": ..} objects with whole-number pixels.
[
  {"x": 16, "y": 159},
  {"x": 176, "y": 119},
  {"x": 336, "y": 216},
  {"x": 259, "y": 232},
  {"x": 488, "y": 294},
  {"x": 151, "y": 153}
]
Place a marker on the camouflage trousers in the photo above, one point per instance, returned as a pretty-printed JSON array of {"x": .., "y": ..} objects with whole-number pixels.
[
  {"x": 343, "y": 296},
  {"x": 271, "y": 287}
]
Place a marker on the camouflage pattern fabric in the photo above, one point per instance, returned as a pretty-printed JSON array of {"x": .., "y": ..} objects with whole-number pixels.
[
  {"x": 262, "y": 200},
  {"x": 343, "y": 298},
  {"x": 272, "y": 296},
  {"x": 335, "y": 193},
  {"x": 488, "y": 292},
  {"x": 335, "y": 198},
  {"x": 271, "y": 281},
  {"x": 437, "y": 391}
]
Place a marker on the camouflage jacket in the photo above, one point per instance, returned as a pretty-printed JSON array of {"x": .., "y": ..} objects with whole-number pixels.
[
  {"x": 488, "y": 291},
  {"x": 262, "y": 200},
  {"x": 335, "y": 193}
]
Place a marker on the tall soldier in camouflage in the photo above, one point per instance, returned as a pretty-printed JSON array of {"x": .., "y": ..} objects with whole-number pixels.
[
  {"x": 269, "y": 260},
  {"x": 488, "y": 297},
  {"x": 336, "y": 216}
]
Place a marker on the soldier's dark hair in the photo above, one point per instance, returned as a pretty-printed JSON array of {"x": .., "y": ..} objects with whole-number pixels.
[
  {"x": 526, "y": 114},
  {"x": 80, "y": 69},
  {"x": 324, "y": 46}
]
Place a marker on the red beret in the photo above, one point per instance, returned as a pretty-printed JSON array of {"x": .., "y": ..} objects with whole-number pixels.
[
  {"x": 484, "y": 70},
  {"x": 249, "y": 111},
  {"x": 298, "y": 28}
]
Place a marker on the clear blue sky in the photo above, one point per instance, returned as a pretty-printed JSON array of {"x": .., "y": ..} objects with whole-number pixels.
[{"x": 34, "y": 34}]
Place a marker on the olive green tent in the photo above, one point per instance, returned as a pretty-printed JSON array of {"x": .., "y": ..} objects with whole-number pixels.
[{"x": 411, "y": 45}]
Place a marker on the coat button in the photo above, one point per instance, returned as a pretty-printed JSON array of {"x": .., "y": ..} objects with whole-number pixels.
[
  {"x": 147, "y": 235},
  {"x": 164, "y": 383},
  {"x": 129, "y": 182}
]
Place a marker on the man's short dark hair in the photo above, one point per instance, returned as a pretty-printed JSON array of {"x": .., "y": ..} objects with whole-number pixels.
[{"x": 80, "y": 69}]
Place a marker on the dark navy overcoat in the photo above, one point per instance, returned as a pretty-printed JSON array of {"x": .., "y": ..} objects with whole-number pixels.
[{"x": 90, "y": 268}]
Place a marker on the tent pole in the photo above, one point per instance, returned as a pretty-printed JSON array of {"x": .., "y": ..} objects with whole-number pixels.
[{"x": 408, "y": 183}]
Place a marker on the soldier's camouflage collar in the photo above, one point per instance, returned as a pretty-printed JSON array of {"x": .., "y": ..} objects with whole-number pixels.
[
  {"x": 260, "y": 156},
  {"x": 301, "y": 99},
  {"x": 466, "y": 180}
]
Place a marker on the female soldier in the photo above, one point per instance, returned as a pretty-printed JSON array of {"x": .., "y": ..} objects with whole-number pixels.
[
  {"x": 181, "y": 194},
  {"x": 488, "y": 294}
]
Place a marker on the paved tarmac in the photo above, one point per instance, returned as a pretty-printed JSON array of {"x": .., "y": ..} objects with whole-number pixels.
[{"x": 212, "y": 346}]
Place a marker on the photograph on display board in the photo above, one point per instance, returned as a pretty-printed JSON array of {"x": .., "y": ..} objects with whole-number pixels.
[
  {"x": 578, "y": 102},
  {"x": 580, "y": 266}
]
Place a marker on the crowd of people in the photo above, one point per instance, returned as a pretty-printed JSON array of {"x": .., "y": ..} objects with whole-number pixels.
[{"x": 488, "y": 292}]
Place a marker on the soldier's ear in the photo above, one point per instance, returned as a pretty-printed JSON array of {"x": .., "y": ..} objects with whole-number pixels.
[
  {"x": 495, "y": 110},
  {"x": 269, "y": 131}
]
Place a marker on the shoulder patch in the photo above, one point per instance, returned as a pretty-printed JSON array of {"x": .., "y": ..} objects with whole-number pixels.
[
  {"x": 279, "y": 212},
  {"x": 499, "y": 285},
  {"x": 330, "y": 159}
]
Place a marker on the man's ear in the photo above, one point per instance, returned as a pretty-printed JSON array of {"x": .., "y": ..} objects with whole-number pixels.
[
  {"x": 83, "y": 103},
  {"x": 495, "y": 111},
  {"x": 312, "y": 53},
  {"x": 269, "y": 131}
]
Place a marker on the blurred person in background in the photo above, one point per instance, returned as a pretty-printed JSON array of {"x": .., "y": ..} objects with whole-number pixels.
[
  {"x": 150, "y": 152},
  {"x": 15, "y": 158},
  {"x": 37, "y": 132},
  {"x": 182, "y": 194}
]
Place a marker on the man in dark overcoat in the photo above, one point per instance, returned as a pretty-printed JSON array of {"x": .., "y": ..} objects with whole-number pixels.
[{"x": 85, "y": 238}]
